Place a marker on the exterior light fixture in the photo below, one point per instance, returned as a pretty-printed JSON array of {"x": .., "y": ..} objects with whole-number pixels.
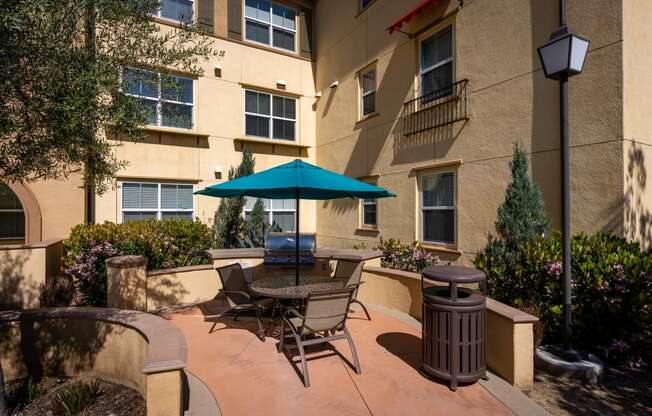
[
  {"x": 334, "y": 84},
  {"x": 564, "y": 54},
  {"x": 562, "y": 57}
]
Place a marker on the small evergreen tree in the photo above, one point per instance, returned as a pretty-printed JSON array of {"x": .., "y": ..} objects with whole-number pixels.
[
  {"x": 229, "y": 223},
  {"x": 522, "y": 216},
  {"x": 255, "y": 225}
]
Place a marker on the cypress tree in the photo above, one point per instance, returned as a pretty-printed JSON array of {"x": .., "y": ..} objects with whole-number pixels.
[
  {"x": 522, "y": 216},
  {"x": 229, "y": 222}
]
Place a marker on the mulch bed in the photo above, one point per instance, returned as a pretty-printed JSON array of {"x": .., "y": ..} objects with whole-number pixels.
[
  {"x": 115, "y": 400},
  {"x": 622, "y": 391}
]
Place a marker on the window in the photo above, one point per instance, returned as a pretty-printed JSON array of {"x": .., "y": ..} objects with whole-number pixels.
[
  {"x": 12, "y": 217},
  {"x": 368, "y": 91},
  {"x": 160, "y": 201},
  {"x": 279, "y": 213},
  {"x": 179, "y": 10},
  {"x": 167, "y": 99},
  {"x": 436, "y": 72},
  {"x": 265, "y": 113},
  {"x": 438, "y": 208},
  {"x": 271, "y": 24},
  {"x": 369, "y": 213}
]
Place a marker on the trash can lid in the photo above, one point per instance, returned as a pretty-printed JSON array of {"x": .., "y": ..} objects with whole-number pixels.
[
  {"x": 441, "y": 295},
  {"x": 455, "y": 274}
]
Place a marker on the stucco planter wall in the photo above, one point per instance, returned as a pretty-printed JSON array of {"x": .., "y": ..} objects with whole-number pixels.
[
  {"x": 24, "y": 269},
  {"x": 139, "y": 350},
  {"x": 509, "y": 341}
]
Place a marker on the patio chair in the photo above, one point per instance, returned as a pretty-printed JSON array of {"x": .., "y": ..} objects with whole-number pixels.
[
  {"x": 239, "y": 298},
  {"x": 325, "y": 314},
  {"x": 351, "y": 271}
]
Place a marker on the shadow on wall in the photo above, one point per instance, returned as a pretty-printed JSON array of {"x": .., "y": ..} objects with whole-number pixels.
[
  {"x": 165, "y": 291},
  {"x": 545, "y": 113},
  {"x": 53, "y": 347},
  {"x": 637, "y": 216},
  {"x": 17, "y": 289}
]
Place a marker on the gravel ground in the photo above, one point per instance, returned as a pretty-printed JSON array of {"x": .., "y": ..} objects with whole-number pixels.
[{"x": 621, "y": 392}]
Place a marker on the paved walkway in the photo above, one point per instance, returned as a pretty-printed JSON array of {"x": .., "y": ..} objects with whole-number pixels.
[{"x": 248, "y": 376}]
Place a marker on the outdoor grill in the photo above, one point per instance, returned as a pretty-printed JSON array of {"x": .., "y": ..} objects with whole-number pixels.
[{"x": 280, "y": 249}]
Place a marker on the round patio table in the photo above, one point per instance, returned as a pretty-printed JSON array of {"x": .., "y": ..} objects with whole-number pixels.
[{"x": 283, "y": 287}]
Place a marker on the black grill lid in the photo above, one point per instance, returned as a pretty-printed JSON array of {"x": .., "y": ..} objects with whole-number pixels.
[{"x": 286, "y": 242}]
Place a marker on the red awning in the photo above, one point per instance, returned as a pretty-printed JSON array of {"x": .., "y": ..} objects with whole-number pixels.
[{"x": 424, "y": 5}]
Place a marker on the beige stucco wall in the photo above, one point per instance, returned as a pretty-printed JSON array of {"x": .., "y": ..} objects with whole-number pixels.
[
  {"x": 24, "y": 270},
  {"x": 105, "y": 350},
  {"x": 186, "y": 285},
  {"x": 637, "y": 97},
  {"x": 219, "y": 119},
  {"x": 139, "y": 350},
  {"x": 509, "y": 101}
]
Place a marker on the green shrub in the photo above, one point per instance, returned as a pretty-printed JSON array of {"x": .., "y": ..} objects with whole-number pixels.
[
  {"x": 407, "y": 257},
  {"x": 57, "y": 291},
  {"x": 612, "y": 290},
  {"x": 75, "y": 397},
  {"x": 165, "y": 244}
]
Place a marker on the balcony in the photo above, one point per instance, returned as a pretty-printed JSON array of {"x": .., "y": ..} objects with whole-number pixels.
[{"x": 436, "y": 109}]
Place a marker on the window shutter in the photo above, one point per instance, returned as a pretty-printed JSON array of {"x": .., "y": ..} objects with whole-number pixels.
[
  {"x": 169, "y": 197},
  {"x": 131, "y": 195},
  {"x": 185, "y": 196},
  {"x": 205, "y": 12},
  {"x": 234, "y": 19},
  {"x": 149, "y": 196},
  {"x": 305, "y": 33}
]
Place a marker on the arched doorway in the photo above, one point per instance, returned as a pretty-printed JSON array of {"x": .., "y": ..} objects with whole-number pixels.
[{"x": 20, "y": 214}]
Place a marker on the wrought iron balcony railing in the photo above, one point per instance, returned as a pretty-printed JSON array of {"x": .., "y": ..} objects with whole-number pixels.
[{"x": 438, "y": 108}]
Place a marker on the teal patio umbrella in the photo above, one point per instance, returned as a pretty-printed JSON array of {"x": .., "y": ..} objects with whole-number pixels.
[{"x": 296, "y": 180}]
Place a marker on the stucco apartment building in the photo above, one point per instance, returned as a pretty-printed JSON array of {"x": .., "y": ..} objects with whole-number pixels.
[{"x": 427, "y": 105}]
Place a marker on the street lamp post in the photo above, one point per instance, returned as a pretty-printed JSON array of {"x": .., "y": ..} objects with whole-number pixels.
[{"x": 562, "y": 57}]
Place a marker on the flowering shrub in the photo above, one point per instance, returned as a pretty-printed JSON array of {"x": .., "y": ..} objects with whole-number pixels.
[
  {"x": 407, "y": 257},
  {"x": 612, "y": 291},
  {"x": 165, "y": 244}
]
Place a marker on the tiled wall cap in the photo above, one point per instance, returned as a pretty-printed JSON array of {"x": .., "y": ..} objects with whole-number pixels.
[{"x": 125, "y": 262}]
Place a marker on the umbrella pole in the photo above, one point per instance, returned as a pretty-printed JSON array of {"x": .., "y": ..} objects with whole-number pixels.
[{"x": 296, "y": 252}]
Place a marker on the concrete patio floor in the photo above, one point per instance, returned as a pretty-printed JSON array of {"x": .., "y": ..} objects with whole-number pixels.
[{"x": 249, "y": 377}]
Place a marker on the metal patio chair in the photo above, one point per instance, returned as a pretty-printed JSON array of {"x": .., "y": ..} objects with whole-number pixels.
[
  {"x": 324, "y": 321},
  {"x": 351, "y": 271},
  {"x": 239, "y": 298}
]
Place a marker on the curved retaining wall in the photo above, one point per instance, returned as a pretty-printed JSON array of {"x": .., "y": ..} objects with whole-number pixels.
[{"x": 136, "y": 349}]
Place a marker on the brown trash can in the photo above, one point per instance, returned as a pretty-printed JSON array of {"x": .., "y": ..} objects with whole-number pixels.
[{"x": 453, "y": 325}]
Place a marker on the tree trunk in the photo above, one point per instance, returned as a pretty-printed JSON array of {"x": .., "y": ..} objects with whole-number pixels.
[
  {"x": 89, "y": 174},
  {"x": 3, "y": 399}
]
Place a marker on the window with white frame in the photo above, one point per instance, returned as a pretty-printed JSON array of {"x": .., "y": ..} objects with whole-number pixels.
[
  {"x": 268, "y": 115},
  {"x": 162, "y": 201},
  {"x": 167, "y": 99},
  {"x": 436, "y": 70},
  {"x": 279, "y": 213},
  {"x": 369, "y": 213},
  {"x": 438, "y": 208},
  {"x": 178, "y": 10},
  {"x": 270, "y": 23},
  {"x": 368, "y": 91},
  {"x": 12, "y": 216}
]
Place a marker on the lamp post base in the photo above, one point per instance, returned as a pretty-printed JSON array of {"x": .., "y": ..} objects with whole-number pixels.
[{"x": 568, "y": 363}]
